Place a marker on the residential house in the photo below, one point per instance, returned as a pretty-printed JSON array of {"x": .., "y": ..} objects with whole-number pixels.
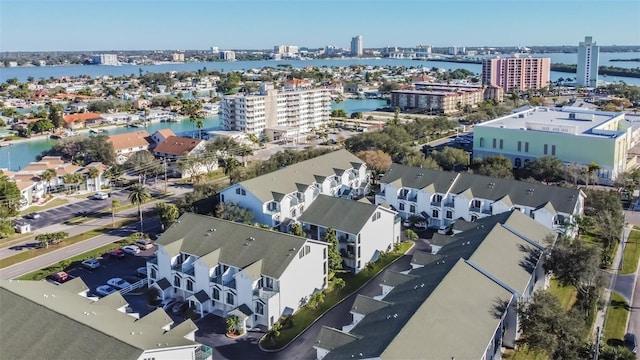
[
  {"x": 161, "y": 135},
  {"x": 120, "y": 118},
  {"x": 175, "y": 148},
  {"x": 363, "y": 230},
  {"x": 281, "y": 196},
  {"x": 127, "y": 143},
  {"x": 81, "y": 120},
  {"x": 471, "y": 288},
  {"x": 62, "y": 168},
  {"x": 141, "y": 104},
  {"x": 441, "y": 197},
  {"x": 223, "y": 268},
  {"x": 43, "y": 320}
]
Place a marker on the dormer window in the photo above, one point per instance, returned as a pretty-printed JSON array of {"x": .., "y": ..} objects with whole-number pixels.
[{"x": 272, "y": 206}]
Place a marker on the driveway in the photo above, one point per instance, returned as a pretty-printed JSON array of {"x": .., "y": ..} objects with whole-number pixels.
[{"x": 212, "y": 328}]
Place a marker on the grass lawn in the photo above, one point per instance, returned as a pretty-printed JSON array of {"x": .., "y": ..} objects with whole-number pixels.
[
  {"x": 306, "y": 315},
  {"x": 616, "y": 322},
  {"x": 567, "y": 295},
  {"x": 28, "y": 254},
  {"x": 50, "y": 204},
  {"x": 523, "y": 353},
  {"x": 631, "y": 252}
]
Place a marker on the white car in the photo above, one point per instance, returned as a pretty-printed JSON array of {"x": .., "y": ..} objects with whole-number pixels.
[
  {"x": 131, "y": 249},
  {"x": 118, "y": 283},
  {"x": 104, "y": 290},
  {"x": 91, "y": 264},
  {"x": 100, "y": 196}
]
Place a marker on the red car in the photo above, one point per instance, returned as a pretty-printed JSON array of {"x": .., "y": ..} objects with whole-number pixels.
[
  {"x": 59, "y": 277},
  {"x": 116, "y": 253}
]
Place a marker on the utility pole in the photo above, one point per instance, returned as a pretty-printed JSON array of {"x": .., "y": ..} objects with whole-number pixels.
[{"x": 164, "y": 164}]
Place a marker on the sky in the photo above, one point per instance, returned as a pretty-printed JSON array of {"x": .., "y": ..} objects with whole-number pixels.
[{"x": 74, "y": 25}]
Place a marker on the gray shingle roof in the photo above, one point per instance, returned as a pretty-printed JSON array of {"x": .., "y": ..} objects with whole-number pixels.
[
  {"x": 341, "y": 214},
  {"x": 365, "y": 305},
  {"x": 534, "y": 195},
  {"x": 239, "y": 245},
  {"x": 394, "y": 278},
  {"x": 76, "y": 326},
  {"x": 330, "y": 338},
  {"x": 288, "y": 179}
]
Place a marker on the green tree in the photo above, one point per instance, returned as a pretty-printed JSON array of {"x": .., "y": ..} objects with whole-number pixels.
[
  {"x": 377, "y": 161},
  {"x": 230, "y": 165},
  {"x": 296, "y": 229},
  {"x": 169, "y": 213},
  {"x": 47, "y": 176},
  {"x": 115, "y": 204},
  {"x": 144, "y": 164},
  {"x": 411, "y": 235},
  {"x": 6, "y": 228},
  {"x": 41, "y": 126},
  {"x": 335, "y": 259},
  {"x": 192, "y": 109},
  {"x": 450, "y": 157},
  {"x": 339, "y": 283},
  {"x": 546, "y": 168},
  {"x": 233, "y": 323},
  {"x": 274, "y": 332},
  {"x": 316, "y": 299},
  {"x": 339, "y": 113},
  {"x": 93, "y": 174},
  {"x": 139, "y": 195},
  {"x": 495, "y": 166},
  {"x": 233, "y": 212}
]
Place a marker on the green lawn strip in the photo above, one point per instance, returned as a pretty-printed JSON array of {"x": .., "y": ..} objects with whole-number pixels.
[
  {"x": 567, "y": 295},
  {"x": 307, "y": 315},
  {"x": 524, "y": 353},
  {"x": 73, "y": 261},
  {"x": 50, "y": 204},
  {"x": 28, "y": 254},
  {"x": 631, "y": 252},
  {"x": 615, "y": 324}
]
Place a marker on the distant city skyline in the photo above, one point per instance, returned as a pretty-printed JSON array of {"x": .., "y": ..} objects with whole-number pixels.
[{"x": 93, "y": 25}]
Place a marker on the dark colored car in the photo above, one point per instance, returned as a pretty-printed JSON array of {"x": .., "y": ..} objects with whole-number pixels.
[
  {"x": 117, "y": 253},
  {"x": 631, "y": 342},
  {"x": 180, "y": 307},
  {"x": 60, "y": 277},
  {"x": 32, "y": 215}
]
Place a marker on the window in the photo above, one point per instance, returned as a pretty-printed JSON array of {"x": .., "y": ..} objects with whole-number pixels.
[
  {"x": 401, "y": 206},
  {"x": 268, "y": 282},
  {"x": 324, "y": 268},
  {"x": 304, "y": 251},
  {"x": 176, "y": 281},
  {"x": 518, "y": 162},
  {"x": 358, "y": 251},
  {"x": 476, "y": 204},
  {"x": 481, "y": 142},
  {"x": 545, "y": 149},
  {"x": 324, "y": 253},
  {"x": 230, "y": 298},
  {"x": 240, "y": 191},
  {"x": 519, "y": 145},
  {"x": 449, "y": 214},
  {"x": 189, "y": 285},
  {"x": 272, "y": 206},
  {"x": 221, "y": 197},
  {"x": 494, "y": 143},
  {"x": 215, "y": 294},
  {"x": 377, "y": 215},
  {"x": 501, "y": 143},
  {"x": 259, "y": 308},
  {"x": 152, "y": 273},
  {"x": 435, "y": 213},
  {"x": 553, "y": 150},
  {"x": 474, "y": 218},
  {"x": 526, "y": 147},
  {"x": 412, "y": 209}
]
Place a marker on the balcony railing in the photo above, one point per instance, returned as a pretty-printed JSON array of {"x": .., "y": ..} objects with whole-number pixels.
[
  {"x": 264, "y": 294},
  {"x": 204, "y": 353},
  {"x": 436, "y": 203},
  {"x": 347, "y": 238},
  {"x": 220, "y": 281},
  {"x": 449, "y": 204}
]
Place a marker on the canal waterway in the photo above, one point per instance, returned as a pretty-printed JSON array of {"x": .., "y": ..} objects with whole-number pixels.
[{"x": 22, "y": 153}]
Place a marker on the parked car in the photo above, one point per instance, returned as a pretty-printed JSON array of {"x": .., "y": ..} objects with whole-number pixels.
[
  {"x": 131, "y": 249},
  {"x": 141, "y": 272},
  {"x": 179, "y": 307},
  {"x": 116, "y": 253},
  {"x": 33, "y": 215},
  {"x": 118, "y": 283},
  {"x": 100, "y": 196},
  {"x": 104, "y": 290},
  {"x": 60, "y": 277},
  {"x": 91, "y": 264},
  {"x": 631, "y": 342},
  {"x": 143, "y": 244}
]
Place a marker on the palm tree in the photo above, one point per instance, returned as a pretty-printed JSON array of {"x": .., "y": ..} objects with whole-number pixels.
[
  {"x": 114, "y": 205},
  {"x": 230, "y": 164},
  {"x": 138, "y": 195},
  {"x": 47, "y": 176},
  {"x": 232, "y": 322},
  {"x": 93, "y": 174},
  {"x": 199, "y": 125}
]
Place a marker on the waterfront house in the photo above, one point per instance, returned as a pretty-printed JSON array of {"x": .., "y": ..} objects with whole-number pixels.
[
  {"x": 81, "y": 120},
  {"x": 161, "y": 135},
  {"x": 279, "y": 197},
  {"x": 120, "y": 118},
  {"x": 176, "y": 148},
  {"x": 127, "y": 143},
  {"x": 364, "y": 231},
  {"x": 441, "y": 197},
  {"x": 79, "y": 326},
  {"x": 222, "y": 267}
]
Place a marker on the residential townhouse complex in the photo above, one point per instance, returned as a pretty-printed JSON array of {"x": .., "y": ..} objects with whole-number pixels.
[
  {"x": 222, "y": 267},
  {"x": 127, "y": 143},
  {"x": 41, "y": 320},
  {"x": 465, "y": 296},
  {"x": 442, "y": 197},
  {"x": 574, "y": 135},
  {"x": 277, "y": 198},
  {"x": 437, "y": 98},
  {"x": 272, "y": 109},
  {"x": 363, "y": 230},
  {"x": 516, "y": 73}
]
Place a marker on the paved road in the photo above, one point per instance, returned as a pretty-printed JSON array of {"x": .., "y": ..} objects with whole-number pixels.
[{"x": 211, "y": 331}]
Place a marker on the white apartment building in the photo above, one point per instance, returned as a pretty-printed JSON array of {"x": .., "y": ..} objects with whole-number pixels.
[
  {"x": 588, "y": 62},
  {"x": 105, "y": 59},
  {"x": 300, "y": 110},
  {"x": 222, "y": 267},
  {"x": 277, "y": 198},
  {"x": 441, "y": 197},
  {"x": 356, "y": 46},
  {"x": 363, "y": 230}
]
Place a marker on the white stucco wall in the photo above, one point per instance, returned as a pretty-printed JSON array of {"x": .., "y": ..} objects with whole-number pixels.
[{"x": 302, "y": 277}]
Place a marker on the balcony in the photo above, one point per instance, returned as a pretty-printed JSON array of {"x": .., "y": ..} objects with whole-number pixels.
[
  {"x": 264, "y": 294},
  {"x": 204, "y": 353},
  {"x": 436, "y": 203},
  {"x": 347, "y": 239},
  {"x": 220, "y": 281}
]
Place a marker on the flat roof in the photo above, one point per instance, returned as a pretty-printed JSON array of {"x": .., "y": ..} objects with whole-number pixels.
[{"x": 567, "y": 120}]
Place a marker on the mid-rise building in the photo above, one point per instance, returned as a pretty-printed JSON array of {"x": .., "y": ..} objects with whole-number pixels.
[
  {"x": 356, "y": 46},
  {"x": 280, "y": 111},
  {"x": 44, "y": 320},
  {"x": 588, "y": 62},
  {"x": 516, "y": 73},
  {"x": 177, "y": 57},
  {"x": 227, "y": 268},
  {"x": 576, "y": 136},
  {"x": 438, "y": 98},
  {"x": 227, "y": 55},
  {"x": 105, "y": 59}
]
